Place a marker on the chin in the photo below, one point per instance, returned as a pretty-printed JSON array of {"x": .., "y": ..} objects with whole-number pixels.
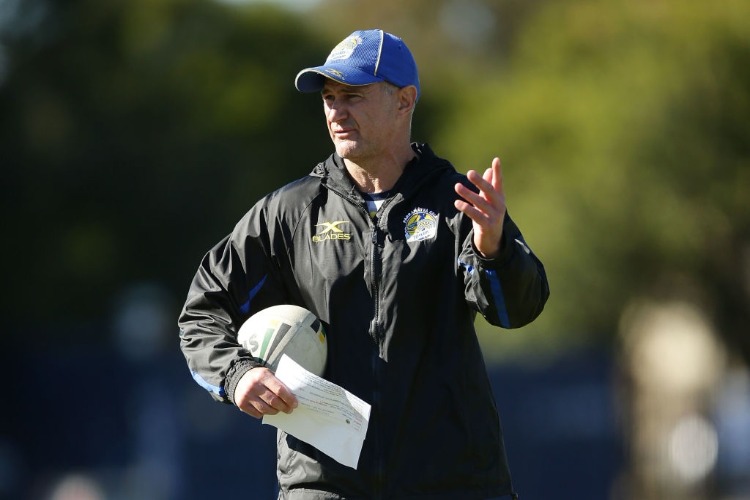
[{"x": 346, "y": 150}]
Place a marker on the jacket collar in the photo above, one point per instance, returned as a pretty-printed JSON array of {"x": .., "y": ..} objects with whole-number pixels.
[{"x": 334, "y": 174}]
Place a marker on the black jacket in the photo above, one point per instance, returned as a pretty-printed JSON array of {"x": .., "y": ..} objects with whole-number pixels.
[{"x": 398, "y": 296}]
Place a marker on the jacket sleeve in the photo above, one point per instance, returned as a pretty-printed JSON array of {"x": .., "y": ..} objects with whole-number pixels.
[
  {"x": 510, "y": 290},
  {"x": 235, "y": 279}
]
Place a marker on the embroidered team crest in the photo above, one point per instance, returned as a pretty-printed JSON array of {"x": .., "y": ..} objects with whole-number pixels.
[
  {"x": 420, "y": 224},
  {"x": 345, "y": 49}
]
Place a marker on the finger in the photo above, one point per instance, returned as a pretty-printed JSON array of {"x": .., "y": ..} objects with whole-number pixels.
[
  {"x": 485, "y": 185},
  {"x": 497, "y": 175},
  {"x": 251, "y": 410},
  {"x": 274, "y": 404},
  {"x": 478, "y": 200},
  {"x": 482, "y": 182},
  {"x": 484, "y": 218},
  {"x": 489, "y": 176},
  {"x": 280, "y": 396},
  {"x": 471, "y": 212}
]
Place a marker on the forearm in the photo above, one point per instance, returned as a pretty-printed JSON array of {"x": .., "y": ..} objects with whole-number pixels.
[{"x": 510, "y": 290}]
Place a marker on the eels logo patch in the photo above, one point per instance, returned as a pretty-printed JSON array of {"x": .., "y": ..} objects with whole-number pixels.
[
  {"x": 345, "y": 49},
  {"x": 420, "y": 224}
]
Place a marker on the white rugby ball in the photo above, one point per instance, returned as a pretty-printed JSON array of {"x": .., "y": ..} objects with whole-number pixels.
[{"x": 286, "y": 329}]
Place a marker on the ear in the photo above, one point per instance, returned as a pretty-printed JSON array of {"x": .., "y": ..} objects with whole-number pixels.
[{"x": 407, "y": 98}]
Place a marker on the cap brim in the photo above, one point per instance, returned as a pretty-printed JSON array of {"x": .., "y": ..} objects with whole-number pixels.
[{"x": 313, "y": 79}]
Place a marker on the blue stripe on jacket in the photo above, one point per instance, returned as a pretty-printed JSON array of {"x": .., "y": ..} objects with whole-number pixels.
[
  {"x": 497, "y": 292},
  {"x": 499, "y": 296},
  {"x": 210, "y": 388},
  {"x": 245, "y": 308}
]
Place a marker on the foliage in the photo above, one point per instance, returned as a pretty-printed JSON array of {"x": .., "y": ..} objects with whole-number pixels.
[
  {"x": 134, "y": 134},
  {"x": 623, "y": 126}
]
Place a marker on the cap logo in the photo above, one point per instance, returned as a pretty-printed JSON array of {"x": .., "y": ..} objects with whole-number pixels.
[{"x": 344, "y": 49}]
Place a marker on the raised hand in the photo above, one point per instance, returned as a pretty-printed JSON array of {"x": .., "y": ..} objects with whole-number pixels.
[{"x": 486, "y": 208}]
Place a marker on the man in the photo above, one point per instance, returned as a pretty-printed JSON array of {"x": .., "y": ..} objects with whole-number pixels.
[{"x": 395, "y": 252}]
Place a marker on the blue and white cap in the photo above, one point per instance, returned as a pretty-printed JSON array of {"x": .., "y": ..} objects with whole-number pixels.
[{"x": 362, "y": 58}]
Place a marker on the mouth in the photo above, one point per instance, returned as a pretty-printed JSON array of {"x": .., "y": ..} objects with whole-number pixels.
[{"x": 343, "y": 133}]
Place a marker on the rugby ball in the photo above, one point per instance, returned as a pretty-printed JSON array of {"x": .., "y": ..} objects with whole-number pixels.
[{"x": 286, "y": 329}]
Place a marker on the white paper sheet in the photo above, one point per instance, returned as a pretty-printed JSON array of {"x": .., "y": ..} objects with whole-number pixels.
[{"x": 328, "y": 416}]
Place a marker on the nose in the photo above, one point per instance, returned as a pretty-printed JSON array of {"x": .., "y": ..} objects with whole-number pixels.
[{"x": 335, "y": 110}]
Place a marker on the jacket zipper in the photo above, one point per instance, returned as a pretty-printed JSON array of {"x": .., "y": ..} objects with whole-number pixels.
[
  {"x": 378, "y": 242},
  {"x": 377, "y": 334},
  {"x": 376, "y": 268}
]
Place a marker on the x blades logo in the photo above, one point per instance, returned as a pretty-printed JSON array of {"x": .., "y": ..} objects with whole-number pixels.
[{"x": 331, "y": 231}]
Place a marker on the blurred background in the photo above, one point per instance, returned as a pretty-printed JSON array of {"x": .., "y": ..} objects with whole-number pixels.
[{"x": 134, "y": 134}]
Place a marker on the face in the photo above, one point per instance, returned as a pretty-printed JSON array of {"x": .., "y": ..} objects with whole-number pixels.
[{"x": 362, "y": 120}]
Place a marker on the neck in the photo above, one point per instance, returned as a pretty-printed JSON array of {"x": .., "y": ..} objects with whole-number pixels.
[{"x": 381, "y": 173}]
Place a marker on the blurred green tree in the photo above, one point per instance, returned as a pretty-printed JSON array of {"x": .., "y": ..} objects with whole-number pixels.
[
  {"x": 623, "y": 126},
  {"x": 134, "y": 135}
]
